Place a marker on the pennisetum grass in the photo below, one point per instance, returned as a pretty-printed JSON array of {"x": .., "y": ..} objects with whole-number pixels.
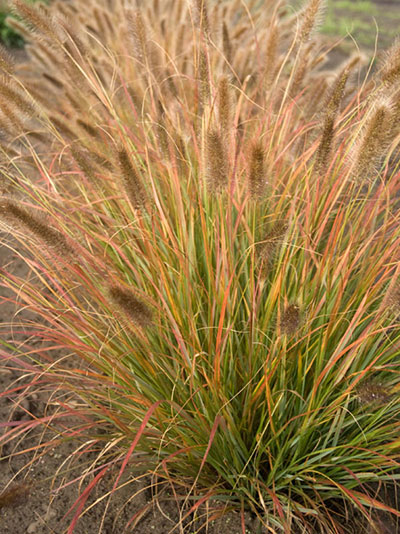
[{"x": 218, "y": 247}]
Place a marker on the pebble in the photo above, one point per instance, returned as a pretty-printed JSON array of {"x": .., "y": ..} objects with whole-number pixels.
[{"x": 32, "y": 527}]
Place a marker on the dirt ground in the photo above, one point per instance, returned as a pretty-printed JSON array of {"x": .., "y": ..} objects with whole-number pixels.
[{"x": 32, "y": 501}]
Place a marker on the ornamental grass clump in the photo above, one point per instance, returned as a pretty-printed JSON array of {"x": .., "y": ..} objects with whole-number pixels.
[{"x": 212, "y": 225}]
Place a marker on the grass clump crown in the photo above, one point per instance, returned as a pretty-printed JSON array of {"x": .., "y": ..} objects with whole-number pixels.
[{"x": 230, "y": 212}]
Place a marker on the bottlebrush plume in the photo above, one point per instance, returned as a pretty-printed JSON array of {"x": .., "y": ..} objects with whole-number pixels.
[
  {"x": 257, "y": 181},
  {"x": 224, "y": 105},
  {"x": 290, "y": 319},
  {"x": 16, "y": 215},
  {"x": 310, "y": 18},
  {"x": 216, "y": 163},
  {"x": 373, "y": 392},
  {"x": 126, "y": 300},
  {"x": 132, "y": 182},
  {"x": 374, "y": 140},
  {"x": 390, "y": 70},
  {"x": 15, "y": 496}
]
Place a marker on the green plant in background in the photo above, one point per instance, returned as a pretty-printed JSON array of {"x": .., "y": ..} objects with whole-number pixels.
[
  {"x": 352, "y": 18},
  {"x": 364, "y": 20},
  {"x": 8, "y": 36},
  {"x": 212, "y": 228}
]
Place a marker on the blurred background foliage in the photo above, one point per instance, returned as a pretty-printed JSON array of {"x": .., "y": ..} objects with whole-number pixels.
[
  {"x": 8, "y": 37},
  {"x": 365, "y": 21}
]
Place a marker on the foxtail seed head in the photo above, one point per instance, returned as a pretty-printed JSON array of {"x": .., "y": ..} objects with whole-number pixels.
[
  {"x": 38, "y": 17},
  {"x": 204, "y": 82},
  {"x": 6, "y": 62},
  {"x": 310, "y": 19},
  {"x": 201, "y": 13},
  {"x": 216, "y": 162},
  {"x": 272, "y": 238},
  {"x": 392, "y": 299},
  {"x": 374, "y": 140},
  {"x": 269, "y": 246},
  {"x": 84, "y": 162},
  {"x": 132, "y": 182},
  {"x": 257, "y": 173},
  {"x": 138, "y": 32},
  {"x": 336, "y": 94},
  {"x": 290, "y": 319},
  {"x": 271, "y": 53},
  {"x": 91, "y": 130},
  {"x": 325, "y": 144},
  {"x": 15, "y": 496},
  {"x": 224, "y": 104},
  {"x": 373, "y": 393},
  {"x": 17, "y": 215},
  {"x": 130, "y": 305},
  {"x": 226, "y": 43},
  {"x": 390, "y": 71}
]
